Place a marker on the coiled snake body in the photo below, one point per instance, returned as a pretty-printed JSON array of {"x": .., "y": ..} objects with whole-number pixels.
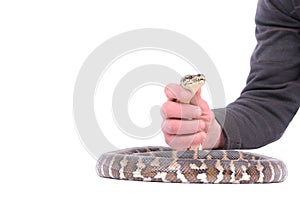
[{"x": 162, "y": 164}]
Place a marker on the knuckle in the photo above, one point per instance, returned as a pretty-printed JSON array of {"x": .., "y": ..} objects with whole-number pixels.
[
  {"x": 199, "y": 126},
  {"x": 198, "y": 139},
  {"x": 171, "y": 126},
  {"x": 170, "y": 90},
  {"x": 163, "y": 111},
  {"x": 163, "y": 125},
  {"x": 168, "y": 139},
  {"x": 166, "y": 108}
]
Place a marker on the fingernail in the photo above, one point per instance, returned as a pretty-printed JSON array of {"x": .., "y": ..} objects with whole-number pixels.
[
  {"x": 202, "y": 125},
  {"x": 197, "y": 111}
]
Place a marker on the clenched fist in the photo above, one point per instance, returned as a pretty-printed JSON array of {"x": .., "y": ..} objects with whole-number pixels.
[{"x": 186, "y": 125}]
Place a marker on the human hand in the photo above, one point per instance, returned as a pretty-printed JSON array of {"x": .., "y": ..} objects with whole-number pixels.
[{"x": 186, "y": 125}]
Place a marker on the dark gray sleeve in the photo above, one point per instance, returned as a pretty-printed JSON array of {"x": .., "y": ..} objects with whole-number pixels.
[{"x": 271, "y": 97}]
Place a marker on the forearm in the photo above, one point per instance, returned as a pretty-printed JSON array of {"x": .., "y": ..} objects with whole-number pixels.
[{"x": 271, "y": 97}]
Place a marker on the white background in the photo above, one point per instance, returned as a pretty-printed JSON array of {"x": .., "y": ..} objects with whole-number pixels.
[{"x": 42, "y": 48}]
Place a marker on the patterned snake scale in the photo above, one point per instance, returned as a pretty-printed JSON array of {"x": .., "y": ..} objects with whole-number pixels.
[{"x": 162, "y": 164}]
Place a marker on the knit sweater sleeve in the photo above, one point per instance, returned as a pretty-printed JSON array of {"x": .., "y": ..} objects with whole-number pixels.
[{"x": 271, "y": 97}]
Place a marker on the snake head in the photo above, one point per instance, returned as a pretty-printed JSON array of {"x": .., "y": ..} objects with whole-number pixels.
[{"x": 192, "y": 82}]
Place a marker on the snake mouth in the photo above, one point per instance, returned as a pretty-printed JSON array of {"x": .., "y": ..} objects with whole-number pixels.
[{"x": 200, "y": 77}]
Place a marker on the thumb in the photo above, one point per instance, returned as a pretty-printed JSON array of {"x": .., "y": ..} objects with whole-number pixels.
[{"x": 198, "y": 101}]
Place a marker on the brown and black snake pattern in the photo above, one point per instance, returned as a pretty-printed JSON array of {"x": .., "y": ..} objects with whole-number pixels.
[{"x": 162, "y": 164}]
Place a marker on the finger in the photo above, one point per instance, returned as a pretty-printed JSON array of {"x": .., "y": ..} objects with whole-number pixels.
[
  {"x": 172, "y": 109},
  {"x": 182, "y": 127},
  {"x": 176, "y": 92},
  {"x": 198, "y": 101},
  {"x": 182, "y": 142}
]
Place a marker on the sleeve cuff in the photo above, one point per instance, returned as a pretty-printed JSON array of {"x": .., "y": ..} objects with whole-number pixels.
[{"x": 229, "y": 127}]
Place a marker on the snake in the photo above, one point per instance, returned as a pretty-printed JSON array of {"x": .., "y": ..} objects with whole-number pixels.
[{"x": 193, "y": 165}]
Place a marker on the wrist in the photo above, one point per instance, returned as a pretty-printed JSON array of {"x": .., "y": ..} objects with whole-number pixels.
[
  {"x": 220, "y": 136},
  {"x": 215, "y": 138},
  {"x": 220, "y": 144}
]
